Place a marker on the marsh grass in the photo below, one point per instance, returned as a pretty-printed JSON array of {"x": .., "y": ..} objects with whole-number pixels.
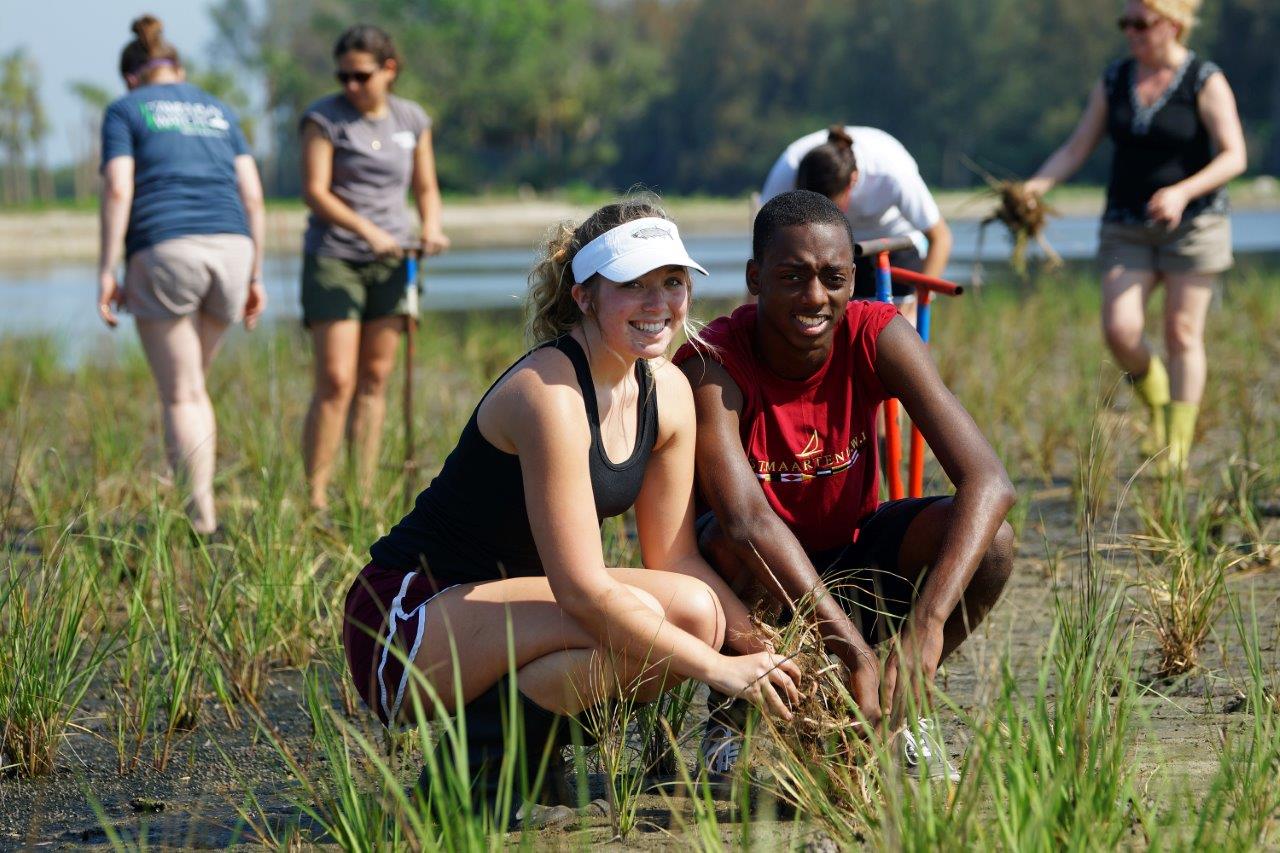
[
  {"x": 101, "y": 585},
  {"x": 54, "y": 647},
  {"x": 1182, "y": 571}
]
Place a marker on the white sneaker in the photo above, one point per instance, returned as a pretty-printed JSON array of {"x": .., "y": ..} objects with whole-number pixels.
[
  {"x": 720, "y": 749},
  {"x": 924, "y": 753}
]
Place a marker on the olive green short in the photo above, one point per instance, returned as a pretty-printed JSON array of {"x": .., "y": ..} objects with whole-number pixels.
[{"x": 338, "y": 289}]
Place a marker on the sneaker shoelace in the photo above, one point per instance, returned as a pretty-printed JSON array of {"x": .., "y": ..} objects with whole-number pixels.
[{"x": 720, "y": 749}]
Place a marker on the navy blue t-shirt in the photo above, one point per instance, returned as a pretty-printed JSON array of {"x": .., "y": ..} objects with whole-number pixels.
[{"x": 183, "y": 142}]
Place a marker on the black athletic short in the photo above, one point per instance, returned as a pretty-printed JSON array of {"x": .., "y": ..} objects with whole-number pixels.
[
  {"x": 864, "y": 575},
  {"x": 864, "y": 274}
]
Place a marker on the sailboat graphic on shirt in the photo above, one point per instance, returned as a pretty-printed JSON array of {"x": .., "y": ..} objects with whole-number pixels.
[{"x": 813, "y": 448}]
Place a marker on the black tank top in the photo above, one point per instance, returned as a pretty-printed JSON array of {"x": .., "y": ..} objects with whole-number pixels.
[
  {"x": 1156, "y": 145},
  {"x": 471, "y": 523}
]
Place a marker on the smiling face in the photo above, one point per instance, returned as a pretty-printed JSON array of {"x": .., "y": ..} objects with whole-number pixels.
[
  {"x": 365, "y": 82},
  {"x": 1149, "y": 35},
  {"x": 803, "y": 281},
  {"x": 639, "y": 318}
]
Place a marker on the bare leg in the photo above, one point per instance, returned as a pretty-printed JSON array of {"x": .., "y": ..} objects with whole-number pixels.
[
  {"x": 178, "y": 352},
  {"x": 1124, "y": 299},
  {"x": 337, "y": 346},
  {"x": 1187, "y": 298},
  {"x": 559, "y": 665},
  {"x": 379, "y": 340}
]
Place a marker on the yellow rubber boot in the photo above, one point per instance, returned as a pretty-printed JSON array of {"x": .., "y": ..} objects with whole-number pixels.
[
  {"x": 1153, "y": 388},
  {"x": 1182, "y": 432}
]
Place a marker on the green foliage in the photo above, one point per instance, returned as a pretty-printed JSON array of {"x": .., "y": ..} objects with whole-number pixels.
[{"x": 702, "y": 95}]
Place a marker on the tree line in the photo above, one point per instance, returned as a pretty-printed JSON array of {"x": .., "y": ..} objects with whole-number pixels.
[{"x": 699, "y": 96}]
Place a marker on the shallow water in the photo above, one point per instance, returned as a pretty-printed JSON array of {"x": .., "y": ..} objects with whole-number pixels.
[{"x": 58, "y": 299}]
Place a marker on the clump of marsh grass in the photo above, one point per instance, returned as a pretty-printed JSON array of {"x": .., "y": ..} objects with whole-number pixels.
[
  {"x": 53, "y": 645},
  {"x": 1181, "y": 571}
]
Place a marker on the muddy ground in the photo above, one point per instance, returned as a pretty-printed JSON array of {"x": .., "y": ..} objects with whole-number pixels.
[{"x": 86, "y": 804}]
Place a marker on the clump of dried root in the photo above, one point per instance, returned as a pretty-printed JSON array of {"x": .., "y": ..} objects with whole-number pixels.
[
  {"x": 1025, "y": 215},
  {"x": 823, "y": 747}
]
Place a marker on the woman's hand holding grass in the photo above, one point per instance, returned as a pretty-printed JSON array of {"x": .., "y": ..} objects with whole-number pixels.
[{"x": 759, "y": 678}]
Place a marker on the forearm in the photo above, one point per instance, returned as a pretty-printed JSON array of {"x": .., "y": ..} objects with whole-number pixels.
[
  {"x": 113, "y": 222},
  {"x": 1220, "y": 170},
  {"x": 776, "y": 560},
  {"x": 625, "y": 626},
  {"x": 255, "y": 213},
  {"x": 430, "y": 208},
  {"x": 940, "y": 242},
  {"x": 325, "y": 204},
  {"x": 1062, "y": 164}
]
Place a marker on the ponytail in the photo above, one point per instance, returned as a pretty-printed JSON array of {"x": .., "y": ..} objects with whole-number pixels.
[
  {"x": 829, "y": 168},
  {"x": 147, "y": 50}
]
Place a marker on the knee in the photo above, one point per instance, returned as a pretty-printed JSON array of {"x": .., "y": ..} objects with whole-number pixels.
[
  {"x": 335, "y": 385},
  {"x": 372, "y": 379},
  {"x": 1182, "y": 334},
  {"x": 695, "y": 608},
  {"x": 1122, "y": 331},
  {"x": 997, "y": 564}
]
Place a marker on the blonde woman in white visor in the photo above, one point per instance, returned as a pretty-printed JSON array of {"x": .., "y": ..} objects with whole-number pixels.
[{"x": 504, "y": 545}]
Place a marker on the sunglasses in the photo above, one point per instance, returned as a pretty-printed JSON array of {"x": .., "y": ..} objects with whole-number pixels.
[
  {"x": 361, "y": 77},
  {"x": 1138, "y": 25}
]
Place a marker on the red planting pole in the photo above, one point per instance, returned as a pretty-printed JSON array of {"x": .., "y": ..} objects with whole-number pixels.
[
  {"x": 926, "y": 286},
  {"x": 892, "y": 438}
]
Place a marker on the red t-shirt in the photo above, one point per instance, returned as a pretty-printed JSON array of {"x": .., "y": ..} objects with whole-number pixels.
[{"x": 811, "y": 442}]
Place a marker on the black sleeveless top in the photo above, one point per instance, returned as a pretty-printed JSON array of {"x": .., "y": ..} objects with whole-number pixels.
[
  {"x": 1156, "y": 145},
  {"x": 471, "y": 523}
]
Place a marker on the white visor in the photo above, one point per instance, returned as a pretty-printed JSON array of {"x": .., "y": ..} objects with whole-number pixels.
[{"x": 632, "y": 249}]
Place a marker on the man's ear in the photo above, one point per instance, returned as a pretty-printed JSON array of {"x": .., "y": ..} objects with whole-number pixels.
[{"x": 753, "y": 277}]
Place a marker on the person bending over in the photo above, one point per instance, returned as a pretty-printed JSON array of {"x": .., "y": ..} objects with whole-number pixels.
[
  {"x": 504, "y": 545},
  {"x": 876, "y": 183},
  {"x": 786, "y": 393}
]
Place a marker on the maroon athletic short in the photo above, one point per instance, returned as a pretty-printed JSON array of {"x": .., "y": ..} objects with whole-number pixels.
[{"x": 385, "y": 608}]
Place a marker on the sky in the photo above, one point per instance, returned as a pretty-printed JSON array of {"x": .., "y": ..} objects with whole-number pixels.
[{"x": 82, "y": 39}]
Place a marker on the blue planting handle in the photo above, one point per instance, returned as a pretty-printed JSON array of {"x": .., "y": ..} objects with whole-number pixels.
[{"x": 923, "y": 311}]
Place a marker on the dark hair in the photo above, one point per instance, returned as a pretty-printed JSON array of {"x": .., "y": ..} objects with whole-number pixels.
[
  {"x": 147, "y": 46},
  {"x": 828, "y": 168},
  {"x": 366, "y": 38},
  {"x": 798, "y": 207},
  {"x": 550, "y": 310}
]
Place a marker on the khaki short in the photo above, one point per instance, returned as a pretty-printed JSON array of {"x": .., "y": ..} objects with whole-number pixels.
[
  {"x": 338, "y": 289},
  {"x": 1199, "y": 245},
  {"x": 208, "y": 273}
]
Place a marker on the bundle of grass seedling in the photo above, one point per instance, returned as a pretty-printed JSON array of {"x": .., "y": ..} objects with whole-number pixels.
[{"x": 1024, "y": 214}]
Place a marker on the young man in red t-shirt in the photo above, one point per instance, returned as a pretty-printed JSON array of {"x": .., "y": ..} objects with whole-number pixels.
[{"x": 787, "y": 394}]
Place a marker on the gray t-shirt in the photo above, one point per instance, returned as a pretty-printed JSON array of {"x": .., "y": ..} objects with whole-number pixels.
[{"x": 372, "y": 169}]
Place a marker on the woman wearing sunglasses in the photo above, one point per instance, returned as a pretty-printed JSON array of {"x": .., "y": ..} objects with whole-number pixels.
[
  {"x": 363, "y": 148},
  {"x": 1172, "y": 118}
]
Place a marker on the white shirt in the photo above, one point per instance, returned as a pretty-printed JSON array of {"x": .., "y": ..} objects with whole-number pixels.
[{"x": 889, "y": 198}]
